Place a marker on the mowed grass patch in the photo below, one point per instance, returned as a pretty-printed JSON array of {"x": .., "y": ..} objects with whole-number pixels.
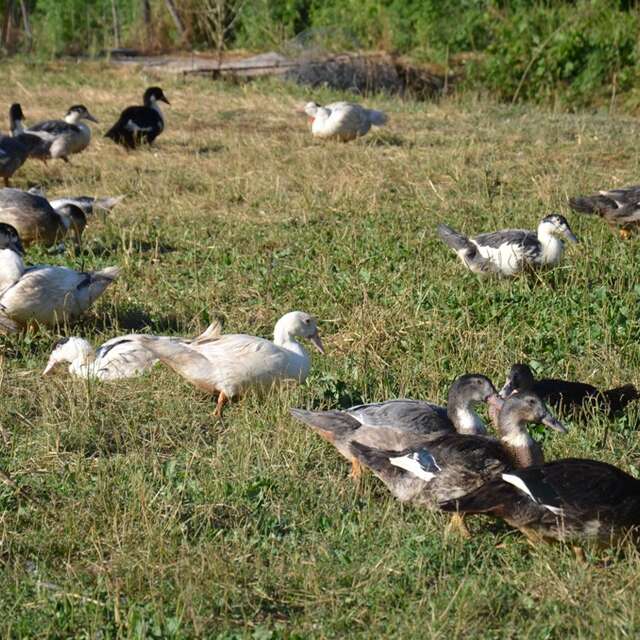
[{"x": 139, "y": 515}]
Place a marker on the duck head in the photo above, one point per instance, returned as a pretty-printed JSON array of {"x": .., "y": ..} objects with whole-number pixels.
[
  {"x": 524, "y": 408},
  {"x": 557, "y": 226},
  {"x": 9, "y": 239},
  {"x": 297, "y": 324},
  {"x": 520, "y": 378},
  {"x": 73, "y": 218},
  {"x": 78, "y": 112},
  {"x": 312, "y": 110},
  {"x": 66, "y": 351},
  {"x": 152, "y": 95},
  {"x": 465, "y": 394}
]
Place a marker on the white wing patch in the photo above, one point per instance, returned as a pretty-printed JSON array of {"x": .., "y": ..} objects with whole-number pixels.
[
  {"x": 520, "y": 484},
  {"x": 412, "y": 464}
]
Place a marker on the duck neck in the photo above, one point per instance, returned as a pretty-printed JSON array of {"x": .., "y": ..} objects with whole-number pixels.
[
  {"x": 17, "y": 126},
  {"x": 153, "y": 104},
  {"x": 552, "y": 246},
  {"x": 282, "y": 337},
  {"x": 465, "y": 419},
  {"x": 524, "y": 450}
]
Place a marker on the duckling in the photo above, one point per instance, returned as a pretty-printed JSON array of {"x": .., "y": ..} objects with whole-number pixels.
[
  {"x": 394, "y": 424},
  {"x": 231, "y": 365},
  {"x": 510, "y": 251},
  {"x": 453, "y": 464},
  {"x": 44, "y": 294},
  {"x": 619, "y": 208},
  {"x": 140, "y": 124},
  {"x": 37, "y": 221},
  {"x": 566, "y": 394},
  {"x": 568, "y": 500},
  {"x": 343, "y": 121},
  {"x": 62, "y": 138},
  {"x": 118, "y": 358}
]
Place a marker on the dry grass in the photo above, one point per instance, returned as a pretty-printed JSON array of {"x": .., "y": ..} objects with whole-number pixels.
[{"x": 139, "y": 516}]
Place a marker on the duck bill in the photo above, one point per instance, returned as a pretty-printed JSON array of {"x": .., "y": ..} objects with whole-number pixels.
[
  {"x": 317, "y": 343},
  {"x": 164, "y": 99},
  {"x": 552, "y": 423},
  {"x": 90, "y": 117},
  {"x": 570, "y": 236},
  {"x": 48, "y": 370},
  {"x": 495, "y": 402},
  {"x": 507, "y": 390}
]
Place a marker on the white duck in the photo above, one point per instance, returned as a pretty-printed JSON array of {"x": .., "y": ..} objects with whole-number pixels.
[
  {"x": 510, "y": 251},
  {"x": 43, "y": 294},
  {"x": 118, "y": 358},
  {"x": 342, "y": 120},
  {"x": 231, "y": 365}
]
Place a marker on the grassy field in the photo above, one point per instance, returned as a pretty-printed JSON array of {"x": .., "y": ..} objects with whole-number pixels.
[{"x": 146, "y": 518}]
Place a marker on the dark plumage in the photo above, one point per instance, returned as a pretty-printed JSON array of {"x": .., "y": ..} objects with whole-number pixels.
[
  {"x": 566, "y": 394},
  {"x": 451, "y": 465},
  {"x": 140, "y": 124},
  {"x": 619, "y": 208},
  {"x": 568, "y": 499}
]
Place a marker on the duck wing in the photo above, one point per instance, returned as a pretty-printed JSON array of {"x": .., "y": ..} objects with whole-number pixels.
[
  {"x": 54, "y": 127},
  {"x": 122, "y": 357},
  {"x": 418, "y": 416}
]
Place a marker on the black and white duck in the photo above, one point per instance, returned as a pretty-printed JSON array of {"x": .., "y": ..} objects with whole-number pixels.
[
  {"x": 15, "y": 150},
  {"x": 140, "y": 124},
  {"x": 44, "y": 294},
  {"x": 60, "y": 138},
  {"x": 452, "y": 465},
  {"x": 37, "y": 221},
  {"x": 511, "y": 251},
  {"x": 619, "y": 208},
  {"x": 569, "y": 500},
  {"x": 394, "y": 424},
  {"x": 567, "y": 394}
]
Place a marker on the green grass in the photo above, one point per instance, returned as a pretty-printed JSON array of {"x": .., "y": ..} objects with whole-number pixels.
[{"x": 152, "y": 520}]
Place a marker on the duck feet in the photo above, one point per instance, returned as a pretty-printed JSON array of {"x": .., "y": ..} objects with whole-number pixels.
[
  {"x": 356, "y": 470},
  {"x": 458, "y": 526},
  {"x": 222, "y": 400}
]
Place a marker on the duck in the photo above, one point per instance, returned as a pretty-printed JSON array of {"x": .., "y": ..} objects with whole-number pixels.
[
  {"x": 568, "y": 500},
  {"x": 342, "y": 121},
  {"x": 452, "y": 465},
  {"x": 140, "y": 124},
  {"x": 393, "y": 424},
  {"x": 117, "y": 359},
  {"x": 565, "y": 394},
  {"x": 511, "y": 251},
  {"x": 88, "y": 204},
  {"x": 61, "y": 138},
  {"x": 37, "y": 221},
  {"x": 43, "y": 294},
  {"x": 14, "y": 151},
  {"x": 230, "y": 365},
  {"x": 619, "y": 208}
]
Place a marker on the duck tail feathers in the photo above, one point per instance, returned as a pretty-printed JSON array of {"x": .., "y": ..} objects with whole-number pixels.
[
  {"x": 335, "y": 423},
  {"x": 214, "y": 330},
  {"x": 589, "y": 205},
  {"x": 375, "y": 459},
  {"x": 377, "y": 118},
  {"x": 620, "y": 397},
  {"x": 454, "y": 239}
]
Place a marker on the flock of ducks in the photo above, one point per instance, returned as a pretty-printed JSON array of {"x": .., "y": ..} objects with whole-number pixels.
[{"x": 438, "y": 456}]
